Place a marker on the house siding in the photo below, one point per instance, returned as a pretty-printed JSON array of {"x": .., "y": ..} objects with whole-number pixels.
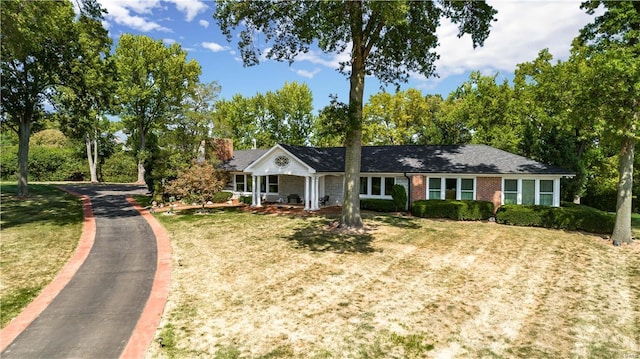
[
  {"x": 418, "y": 188},
  {"x": 489, "y": 189},
  {"x": 290, "y": 185},
  {"x": 333, "y": 187}
]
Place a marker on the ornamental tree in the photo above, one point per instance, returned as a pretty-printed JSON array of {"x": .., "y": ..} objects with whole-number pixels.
[{"x": 386, "y": 39}]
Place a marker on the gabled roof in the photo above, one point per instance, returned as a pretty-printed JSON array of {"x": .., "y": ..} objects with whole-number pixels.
[
  {"x": 242, "y": 159},
  {"x": 458, "y": 159}
]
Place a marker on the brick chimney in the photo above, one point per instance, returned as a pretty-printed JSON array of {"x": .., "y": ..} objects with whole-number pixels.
[{"x": 219, "y": 148}]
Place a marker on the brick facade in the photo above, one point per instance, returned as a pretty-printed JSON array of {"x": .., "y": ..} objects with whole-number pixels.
[
  {"x": 489, "y": 189},
  {"x": 418, "y": 188}
]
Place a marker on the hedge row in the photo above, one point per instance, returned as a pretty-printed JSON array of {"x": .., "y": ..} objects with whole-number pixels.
[
  {"x": 457, "y": 210},
  {"x": 221, "y": 197},
  {"x": 570, "y": 217},
  {"x": 378, "y": 205}
]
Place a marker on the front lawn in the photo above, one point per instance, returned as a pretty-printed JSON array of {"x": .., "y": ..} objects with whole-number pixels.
[
  {"x": 265, "y": 286},
  {"x": 39, "y": 235}
]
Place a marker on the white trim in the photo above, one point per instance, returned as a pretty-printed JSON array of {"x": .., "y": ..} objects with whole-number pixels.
[
  {"x": 382, "y": 177},
  {"x": 251, "y": 167},
  {"x": 537, "y": 192},
  {"x": 443, "y": 185}
]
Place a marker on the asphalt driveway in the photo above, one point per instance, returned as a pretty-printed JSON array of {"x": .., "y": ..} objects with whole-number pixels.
[{"x": 95, "y": 314}]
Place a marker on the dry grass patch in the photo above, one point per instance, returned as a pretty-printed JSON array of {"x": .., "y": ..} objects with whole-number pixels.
[
  {"x": 39, "y": 235},
  {"x": 264, "y": 286}
]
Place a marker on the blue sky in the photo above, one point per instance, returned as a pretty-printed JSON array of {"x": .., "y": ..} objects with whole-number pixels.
[{"x": 522, "y": 30}]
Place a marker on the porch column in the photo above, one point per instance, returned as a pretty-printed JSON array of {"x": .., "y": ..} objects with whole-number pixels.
[
  {"x": 307, "y": 195},
  {"x": 254, "y": 201},
  {"x": 314, "y": 193},
  {"x": 257, "y": 191}
]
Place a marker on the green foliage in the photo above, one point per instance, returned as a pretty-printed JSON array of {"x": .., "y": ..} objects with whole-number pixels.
[
  {"x": 153, "y": 80},
  {"x": 399, "y": 196},
  {"x": 378, "y": 205},
  {"x": 221, "y": 197},
  {"x": 119, "y": 168},
  {"x": 456, "y": 210},
  {"x": 246, "y": 199},
  {"x": 330, "y": 125},
  {"x": 46, "y": 163},
  {"x": 49, "y": 137},
  {"x": 283, "y": 116},
  {"x": 569, "y": 217}
]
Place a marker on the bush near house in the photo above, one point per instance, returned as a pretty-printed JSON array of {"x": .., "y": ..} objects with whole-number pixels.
[
  {"x": 456, "y": 210},
  {"x": 221, "y": 197},
  {"x": 378, "y": 205},
  {"x": 245, "y": 199},
  {"x": 569, "y": 217},
  {"x": 399, "y": 195}
]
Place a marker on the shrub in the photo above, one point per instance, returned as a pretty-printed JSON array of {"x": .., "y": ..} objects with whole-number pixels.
[
  {"x": 198, "y": 183},
  {"x": 121, "y": 167},
  {"x": 457, "y": 210},
  {"x": 569, "y": 217},
  {"x": 399, "y": 195},
  {"x": 246, "y": 199},
  {"x": 221, "y": 197},
  {"x": 377, "y": 205}
]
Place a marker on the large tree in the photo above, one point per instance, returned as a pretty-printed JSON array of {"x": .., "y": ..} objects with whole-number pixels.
[
  {"x": 37, "y": 42},
  {"x": 386, "y": 39},
  {"x": 610, "y": 49},
  {"x": 153, "y": 80},
  {"x": 88, "y": 93}
]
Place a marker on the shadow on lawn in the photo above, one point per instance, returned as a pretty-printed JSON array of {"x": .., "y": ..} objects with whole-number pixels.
[
  {"x": 318, "y": 236},
  {"x": 397, "y": 221},
  {"x": 44, "y": 204}
]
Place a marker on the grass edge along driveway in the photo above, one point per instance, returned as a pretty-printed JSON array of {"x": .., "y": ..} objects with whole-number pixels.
[{"x": 39, "y": 235}]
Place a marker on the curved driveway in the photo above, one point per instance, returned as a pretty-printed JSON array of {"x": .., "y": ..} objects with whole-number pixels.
[{"x": 95, "y": 314}]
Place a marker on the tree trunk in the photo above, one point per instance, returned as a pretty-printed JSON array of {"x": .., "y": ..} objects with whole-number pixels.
[
  {"x": 24, "y": 132},
  {"x": 141, "y": 159},
  {"x": 622, "y": 228},
  {"x": 90, "y": 158},
  {"x": 353, "y": 142}
]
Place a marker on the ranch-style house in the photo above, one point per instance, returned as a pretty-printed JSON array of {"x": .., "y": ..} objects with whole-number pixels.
[{"x": 314, "y": 177}]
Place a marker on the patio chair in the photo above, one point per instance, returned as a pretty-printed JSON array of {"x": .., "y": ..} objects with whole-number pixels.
[{"x": 324, "y": 200}]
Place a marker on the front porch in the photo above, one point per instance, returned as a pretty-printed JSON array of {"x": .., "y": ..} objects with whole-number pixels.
[{"x": 306, "y": 192}]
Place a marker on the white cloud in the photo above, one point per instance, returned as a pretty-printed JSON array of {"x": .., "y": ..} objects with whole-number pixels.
[
  {"x": 213, "y": 46},
  {"x": 168, "y": 41},
  {"x": 120, "y": 11},
  {"x": 204, "y": 23},
  {"x": 522, "y": 30},
  {"x": 305, "y": 73},
  {"x": 191, "y": 8}
]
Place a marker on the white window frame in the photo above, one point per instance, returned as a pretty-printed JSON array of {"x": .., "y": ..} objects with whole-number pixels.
[
  {"x": 246, "y": 186},
  {"x": 382, "y": 187},
  {"x": 265, "y": 179},
  {"x": 443, "y": 185},
  {"x": 556, "y": 189}
]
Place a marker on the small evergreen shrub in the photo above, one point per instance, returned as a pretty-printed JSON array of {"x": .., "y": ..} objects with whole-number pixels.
[
  {"x": 570, "y": 217},
  {"x": 451, "y": 209},
  {"x": 378, "y": 205},
  {"x": 245, "y": 199},
  {"x": 399, "y": 195},
  {"x": 221, "y": 197}
]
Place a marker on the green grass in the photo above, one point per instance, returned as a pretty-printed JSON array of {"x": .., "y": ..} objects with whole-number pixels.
[{"x": 39, "y": 235}]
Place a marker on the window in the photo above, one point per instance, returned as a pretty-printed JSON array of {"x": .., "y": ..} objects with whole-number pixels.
[
  {"x": 528, "y": 192},
  {"x": 466, "y": 189},
  {"x": 388, "y": 185},
  {"x": 454, "y": 188},
  {"x": 376, "y": 186},
  {"x": 240, "y": 183},
  {"x": 434, "y": 188},
  {"x": 364, "y": 188},
  {"x": 270, "y": 183},
  {"x": 510, "y": 191},
  {"x": 546, "y": 192}
]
